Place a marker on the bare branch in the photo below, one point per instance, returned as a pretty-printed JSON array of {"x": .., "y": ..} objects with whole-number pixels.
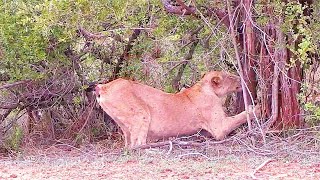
[
  {"x": 3, "y": 116},
  {"x": 88, "y": 35},
  {"x": 234, "y": 41},
  {"x": 3, "y": 76},
  {"x": 223, "y": 16},
  {"x": 176, "y": 80},
  {"x": 180, "y": 143},
  {"x": 182, "y": 9},
  {"x": 10, "y": 106},
  {"x": 9, "y": 85},
  {"x": 125, "y": 54}
]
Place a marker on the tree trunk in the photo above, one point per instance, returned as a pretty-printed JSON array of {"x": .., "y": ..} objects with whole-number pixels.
[{"x": 247, "y": 43}]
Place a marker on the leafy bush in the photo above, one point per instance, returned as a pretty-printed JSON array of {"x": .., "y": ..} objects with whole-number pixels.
[
  {"x": 313, "y": 113},
  {"x": 15, "y": 139}
]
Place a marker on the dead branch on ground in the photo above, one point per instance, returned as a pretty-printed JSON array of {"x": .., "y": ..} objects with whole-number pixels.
[
  {"x": 180, "y": 143},
  {"x": 260, "y": 167}
]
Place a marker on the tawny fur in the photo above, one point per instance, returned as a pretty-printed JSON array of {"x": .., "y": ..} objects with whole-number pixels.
[{"x": 145, "y": 113}]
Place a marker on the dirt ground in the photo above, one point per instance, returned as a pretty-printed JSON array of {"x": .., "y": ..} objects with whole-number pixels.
[{"x": 91, "y": 162}]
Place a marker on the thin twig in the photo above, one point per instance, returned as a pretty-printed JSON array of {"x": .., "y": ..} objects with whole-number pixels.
[
  {"x": 260, "y": 167},
  {"x": 195, "y": 153},
  {"x": 170, "y": 148},
  {"x": 88, "y": 116},
  {"x": 9, "y": 85},
  {"x": 73, "y": 147},
  {"x": 180, "y": 143}
]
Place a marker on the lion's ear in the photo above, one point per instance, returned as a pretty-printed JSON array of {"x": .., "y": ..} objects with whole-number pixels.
[{"x": 216, "y": 80}]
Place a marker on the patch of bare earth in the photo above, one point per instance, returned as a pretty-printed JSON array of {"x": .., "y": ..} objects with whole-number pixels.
[
  {"x": 239, "y": 157},
  {"x": 144, "y": 167}
]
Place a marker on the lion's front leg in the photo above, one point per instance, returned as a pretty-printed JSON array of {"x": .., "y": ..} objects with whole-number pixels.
[
  {"x": 233, "y": 122},
  {"x": 139, "y": 129}
]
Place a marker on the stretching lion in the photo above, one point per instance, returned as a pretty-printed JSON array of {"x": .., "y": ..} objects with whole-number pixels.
[{"x": 145, "y": 113}]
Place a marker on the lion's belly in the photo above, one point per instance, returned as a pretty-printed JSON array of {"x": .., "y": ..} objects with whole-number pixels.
[{"x": 178, "y": 122}]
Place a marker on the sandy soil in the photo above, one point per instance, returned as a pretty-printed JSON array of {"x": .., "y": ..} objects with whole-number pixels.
[{"x": 55, "y": 163}]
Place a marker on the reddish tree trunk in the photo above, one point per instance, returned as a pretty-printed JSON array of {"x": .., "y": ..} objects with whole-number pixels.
[
  {"x": 266, "y": 69},
  {"x": 284, "y": 103},
  {"x": 295, "y": 75},
  {"x": 250, "y": 54},
  {"x": 247, "y": 43}
]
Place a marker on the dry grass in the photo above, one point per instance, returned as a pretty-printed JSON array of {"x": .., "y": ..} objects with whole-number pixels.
[
  {"x": 149, "y": 165},
  {"x": 242, "y": 156}
]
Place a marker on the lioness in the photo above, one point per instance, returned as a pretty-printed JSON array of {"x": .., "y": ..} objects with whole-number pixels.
[{"x": 143, "y": 112}]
